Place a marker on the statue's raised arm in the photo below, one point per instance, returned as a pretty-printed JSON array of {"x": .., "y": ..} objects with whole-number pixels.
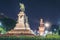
[{"x": 22, "y": 8}]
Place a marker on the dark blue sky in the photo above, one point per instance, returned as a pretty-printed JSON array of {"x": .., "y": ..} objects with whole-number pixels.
[{"x": 49, "y": 10}]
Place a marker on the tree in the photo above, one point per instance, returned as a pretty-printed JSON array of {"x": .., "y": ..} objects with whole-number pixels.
[{"x": 2, "y": 30}]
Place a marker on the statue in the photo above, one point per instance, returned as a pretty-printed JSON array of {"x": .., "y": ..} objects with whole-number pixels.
[{"x": 22, "y": 8}]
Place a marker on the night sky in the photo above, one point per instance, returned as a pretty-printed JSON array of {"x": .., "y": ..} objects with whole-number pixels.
[{"x": 49, "y": 10}]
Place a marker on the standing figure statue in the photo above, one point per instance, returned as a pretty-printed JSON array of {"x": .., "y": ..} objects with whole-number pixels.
[{"x": 22, "y": 7}]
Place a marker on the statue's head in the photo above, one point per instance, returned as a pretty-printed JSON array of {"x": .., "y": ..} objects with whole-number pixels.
[{"x": 22, "y": 7}]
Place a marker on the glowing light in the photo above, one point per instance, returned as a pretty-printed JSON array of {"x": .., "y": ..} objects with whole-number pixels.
[
  {"x": 0, "y": 23},
  {"x": 47, "y": 24},
  {"x": 46, "y": 32},
  {"x": 54, "y": 29}
]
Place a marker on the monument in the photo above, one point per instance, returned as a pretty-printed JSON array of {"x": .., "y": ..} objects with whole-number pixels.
[
  {"x": 41, "y": 28},
  {"x": 22, "y": 26}
]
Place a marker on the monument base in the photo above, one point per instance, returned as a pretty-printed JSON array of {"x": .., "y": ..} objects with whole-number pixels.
[{"x": 22, "y": 32}]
